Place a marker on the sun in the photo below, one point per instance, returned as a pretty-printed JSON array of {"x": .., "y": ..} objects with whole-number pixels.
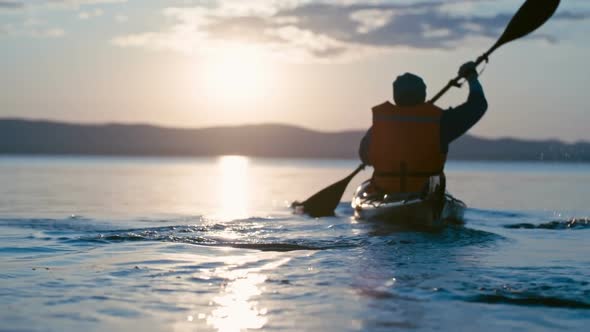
[{"x": 237, "y": 74}]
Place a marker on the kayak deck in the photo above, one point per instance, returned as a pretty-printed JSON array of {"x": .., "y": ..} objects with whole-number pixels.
[{"x": 416, "y": 209}]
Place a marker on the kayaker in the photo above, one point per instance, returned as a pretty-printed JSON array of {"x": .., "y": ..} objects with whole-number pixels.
[{"x": 409, "y": 141}]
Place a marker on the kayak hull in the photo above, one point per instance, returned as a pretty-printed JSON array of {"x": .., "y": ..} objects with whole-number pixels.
[{"x": 419, "y": 211}]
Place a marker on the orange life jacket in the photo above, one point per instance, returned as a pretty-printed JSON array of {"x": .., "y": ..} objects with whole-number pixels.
[{"x": 405, "y": 147}]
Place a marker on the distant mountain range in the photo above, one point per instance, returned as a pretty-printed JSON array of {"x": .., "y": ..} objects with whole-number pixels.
[{"x": 268, "y": 140}]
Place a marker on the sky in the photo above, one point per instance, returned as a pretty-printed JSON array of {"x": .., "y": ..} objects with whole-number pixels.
[{"x": 320, "y": 64}]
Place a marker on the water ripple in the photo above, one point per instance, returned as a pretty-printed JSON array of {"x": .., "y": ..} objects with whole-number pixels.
[
  {"x": 211, "y": 235},
  {"x": 574, "y": 223},
  {"x": 529, "y": 300}
]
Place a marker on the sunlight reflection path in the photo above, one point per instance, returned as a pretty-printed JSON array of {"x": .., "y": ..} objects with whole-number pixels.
[
  {"x": 233, "y": 192},
  {"x": 236, "y": 311}
]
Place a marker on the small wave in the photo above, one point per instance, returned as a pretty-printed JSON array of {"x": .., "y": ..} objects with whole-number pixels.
[
  {"x": 204, "y": 241},
  {"x": 270, "y": 246},
  {"x": 71, "y": 224},
  {"x": 451, "y": 236},
  {"x": 498, "y": 213},
  {"x": 574, "y": 223},
  {"x": 530, "y": 300},
  {"x": 33, "y": 250},
  {"x": 212, "y": 235}
]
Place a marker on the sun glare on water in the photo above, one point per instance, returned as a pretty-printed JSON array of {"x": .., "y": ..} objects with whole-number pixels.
[
  {"x": 233, "y": 190},
  {"x": 237, "y": 74}
]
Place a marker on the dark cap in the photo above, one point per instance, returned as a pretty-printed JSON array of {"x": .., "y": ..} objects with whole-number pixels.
[{"x": 409, "y": 90}]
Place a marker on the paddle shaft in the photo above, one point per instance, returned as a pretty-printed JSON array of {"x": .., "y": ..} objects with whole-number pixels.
[
  {"x": 531, "y": 15},
  {"x": 357, "y": 170}
]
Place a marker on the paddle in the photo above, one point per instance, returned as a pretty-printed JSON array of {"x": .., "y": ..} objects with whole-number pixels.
[
  {"x": 531, "y": 15},
  {"x": 323, "y": 203}
]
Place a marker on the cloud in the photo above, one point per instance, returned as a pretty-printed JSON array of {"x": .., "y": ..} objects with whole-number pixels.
[
  {"x": 47, "y": 33},
  {"x": 31, "y": 30},
  {"x": 328, "y": 29},
  {"x": 121, "y": 18},
  {"x": 314, "y": 30},
  {"x": 11, "y": 5},
  {"x": 6, "y": 29},
  {"x": 19, "y": 4},
  {"x": 31, "y": 27},
  {"x": 29, "y": 12},
  {"x": 371, "y": 20},
  {"x": 84, "y": 15}
]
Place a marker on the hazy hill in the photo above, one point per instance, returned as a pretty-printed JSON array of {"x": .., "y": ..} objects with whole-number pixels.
[{"x": 270, "y": 140}]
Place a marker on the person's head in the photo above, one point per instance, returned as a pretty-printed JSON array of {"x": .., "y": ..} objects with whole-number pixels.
[{"x": 409, "y": 90}]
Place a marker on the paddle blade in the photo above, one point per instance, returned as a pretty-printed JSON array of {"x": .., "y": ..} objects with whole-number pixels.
[
  {"x": 323, "y": 203},
  {"x": 531, "y": 15}
]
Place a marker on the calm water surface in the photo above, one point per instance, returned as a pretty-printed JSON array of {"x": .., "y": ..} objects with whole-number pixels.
[{"x": 210, "y": 245}]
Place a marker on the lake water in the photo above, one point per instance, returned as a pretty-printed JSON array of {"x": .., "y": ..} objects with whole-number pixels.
[{"x": 150, "y": 244}]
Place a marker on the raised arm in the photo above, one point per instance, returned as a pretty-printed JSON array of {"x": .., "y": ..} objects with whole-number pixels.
[{"x": 457, "y": 121}]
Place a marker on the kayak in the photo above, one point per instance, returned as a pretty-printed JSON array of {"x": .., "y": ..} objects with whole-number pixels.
[{"x": 431, "y": 209}]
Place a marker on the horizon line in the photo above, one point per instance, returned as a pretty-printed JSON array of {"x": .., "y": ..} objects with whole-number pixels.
[{"x": 277, "y": 124}]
